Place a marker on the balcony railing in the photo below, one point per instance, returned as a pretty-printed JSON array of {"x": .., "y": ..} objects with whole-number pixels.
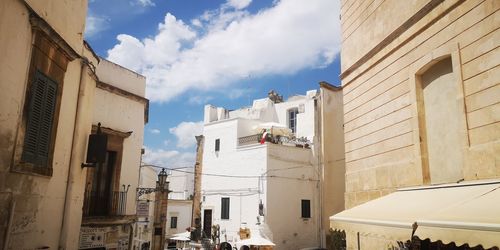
[
  {"x": 247, "y": 140},
  {"x": 98, "y": 204},
  {"x": 275, "y": 139}
]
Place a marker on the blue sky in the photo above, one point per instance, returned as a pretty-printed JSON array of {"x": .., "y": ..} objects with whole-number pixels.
[{"x": 220, "y": 52}]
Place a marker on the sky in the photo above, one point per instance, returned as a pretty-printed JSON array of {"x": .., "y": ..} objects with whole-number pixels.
[{"x": 220, "y": 52}]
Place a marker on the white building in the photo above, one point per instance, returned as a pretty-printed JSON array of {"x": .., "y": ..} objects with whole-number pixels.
[
  {"x": 276, "y": 183},
  {"x": 180, "y": 203}
]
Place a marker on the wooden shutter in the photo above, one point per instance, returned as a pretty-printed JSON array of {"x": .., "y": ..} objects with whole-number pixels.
[{"x": 42, "y": 103}]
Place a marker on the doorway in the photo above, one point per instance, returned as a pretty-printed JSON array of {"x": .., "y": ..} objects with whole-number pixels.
[{"x": 207, "y": 222}]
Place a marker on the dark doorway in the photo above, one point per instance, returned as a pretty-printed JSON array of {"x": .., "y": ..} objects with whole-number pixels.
[{"x": 207, "y": 222}]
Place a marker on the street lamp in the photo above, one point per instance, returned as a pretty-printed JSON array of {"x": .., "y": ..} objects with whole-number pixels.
[
  {"x": 160, "y": 211},
  {"x": 162, "y": 180}
]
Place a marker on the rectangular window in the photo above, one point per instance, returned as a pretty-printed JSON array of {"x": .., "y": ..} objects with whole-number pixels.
[
  {"x": 217, "y": 145},
  {"x": 173, "y": 222},
  {"x": 306, "y": 208},
  {"x": 292, "y": 119},
  {"x": 41, "y": 110},
  {"x": 224, "y": 209}
]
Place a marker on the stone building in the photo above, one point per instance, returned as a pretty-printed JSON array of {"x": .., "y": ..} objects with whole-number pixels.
[
  {"x": 109, "y": 208},
  {"x": 421, "y": 117},
  {"x": 51, "y": 101},
  {"x": 47, "y": 75}
]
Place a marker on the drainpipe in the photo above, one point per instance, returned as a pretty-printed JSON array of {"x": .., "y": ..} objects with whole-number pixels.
[
  {"x": 73, "y": 163},
  {"x": 9, "y": 223}
]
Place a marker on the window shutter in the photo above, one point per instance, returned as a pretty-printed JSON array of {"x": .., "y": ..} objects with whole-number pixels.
[{"x": 40, "y": 118}]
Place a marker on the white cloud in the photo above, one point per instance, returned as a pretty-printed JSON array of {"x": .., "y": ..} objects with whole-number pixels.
[
  {"x": 154, "y": 131},
  {"x": 199, "y": 100},
  {"x": 146, "y": 3},
  {"x": 290, "y": 36},
  {"x": 186, "y": 132},
  {"x": 95, "y": 24},
  {"x": 239, "y": 4},
  {"x": 168, "y": 158}
]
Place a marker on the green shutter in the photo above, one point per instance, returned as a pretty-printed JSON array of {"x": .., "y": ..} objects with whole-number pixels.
[{"x": 41, "y": 111}]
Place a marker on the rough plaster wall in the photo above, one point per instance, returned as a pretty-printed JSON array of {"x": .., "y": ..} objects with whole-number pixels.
[
  {"x": 284, "y": 196},
  {"x": 37, "y": 198},
  {"x": 333, "y": 154},
  {"x": 123, "y": 114},
  {"x": 69, "y": 26},
  {"x": 125, "y": 79}
]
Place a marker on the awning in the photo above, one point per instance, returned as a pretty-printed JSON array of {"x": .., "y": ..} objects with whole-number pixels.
[{"x": 461, "y": 213}]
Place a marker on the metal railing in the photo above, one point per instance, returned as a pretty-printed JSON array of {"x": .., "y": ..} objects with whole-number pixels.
[{"x": 99, "y": 204}]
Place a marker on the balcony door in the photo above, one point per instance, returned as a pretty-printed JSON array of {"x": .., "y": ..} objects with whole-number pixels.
[{"x": 101, "y": 192}]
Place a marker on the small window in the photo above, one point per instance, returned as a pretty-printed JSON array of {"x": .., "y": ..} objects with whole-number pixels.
[
  {"x": 217, "y": 145},
  {"x": 225, "y": 209},
  {"x": 292, "y": 119},
  {"x": 306, "y": 209},
  {"x": 173, "y": 222}
]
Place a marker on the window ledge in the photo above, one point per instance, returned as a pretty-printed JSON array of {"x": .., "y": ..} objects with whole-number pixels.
[{"x": 31, "y": 169}]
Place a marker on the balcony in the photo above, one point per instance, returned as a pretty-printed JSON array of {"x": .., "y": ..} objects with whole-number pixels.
[
  {"x": 98, "y": 204},
  {"x": 275, "y": 139}
]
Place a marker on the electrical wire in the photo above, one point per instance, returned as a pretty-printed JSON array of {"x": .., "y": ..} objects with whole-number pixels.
[{"x": 243, "y": 176}]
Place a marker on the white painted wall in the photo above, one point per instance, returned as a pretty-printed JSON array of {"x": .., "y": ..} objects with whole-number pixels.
[
  {"x": 181, "y": 183},
  {"x": 182, "y": 210},
  {"x": 126, "y": 115},
  {"x": 127, "y": 79}
]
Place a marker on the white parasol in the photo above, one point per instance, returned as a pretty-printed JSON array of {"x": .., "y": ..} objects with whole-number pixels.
[{"x": 273, "y": 128}]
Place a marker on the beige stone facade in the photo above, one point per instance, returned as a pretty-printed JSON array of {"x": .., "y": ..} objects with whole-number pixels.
[
  {"x": 421, "y": 96},
  {"x": 49, "y": 92},
  {"x": 40, "y": 193},
  {"x": 394, "y": 123}
]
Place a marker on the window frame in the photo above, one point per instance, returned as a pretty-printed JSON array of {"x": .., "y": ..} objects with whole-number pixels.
[{"x": 50, "y": 59}]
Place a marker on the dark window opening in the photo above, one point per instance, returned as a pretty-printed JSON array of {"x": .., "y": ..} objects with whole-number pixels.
[
  {"x": 292, "y": 119},
  {"x": 217, "y": 145},
  {"x": 173, "y": 222},
  {"x": 224, "y": 209},
  {"x": 306, "y": 208}
]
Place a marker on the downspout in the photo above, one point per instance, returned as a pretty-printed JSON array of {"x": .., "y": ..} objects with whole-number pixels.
[
  {"x": 67, "y": 201},
  {"x": 9, "y": 223}
]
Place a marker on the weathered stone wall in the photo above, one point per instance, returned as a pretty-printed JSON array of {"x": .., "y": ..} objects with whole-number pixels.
[
  {"x": 386, "y": 44},
  {"x": 32, "y": 204}
]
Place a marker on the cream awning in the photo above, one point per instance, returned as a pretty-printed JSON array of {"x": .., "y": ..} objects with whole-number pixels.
[{"x": 460, "y": 213}]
